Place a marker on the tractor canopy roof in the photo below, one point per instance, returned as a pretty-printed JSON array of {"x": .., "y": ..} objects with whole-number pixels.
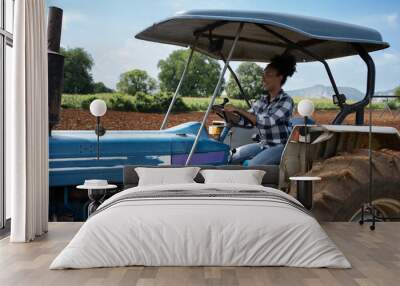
[{"x": 264, "y": 35}]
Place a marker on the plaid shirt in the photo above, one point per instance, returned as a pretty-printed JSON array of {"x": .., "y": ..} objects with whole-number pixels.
[{"x": 273, "y": 118}]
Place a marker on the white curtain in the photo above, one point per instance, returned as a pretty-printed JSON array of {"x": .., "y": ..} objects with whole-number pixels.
[{"x": 27, "y": 124}]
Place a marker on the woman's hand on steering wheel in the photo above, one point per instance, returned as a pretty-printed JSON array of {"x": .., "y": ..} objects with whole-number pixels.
[{"x": 233, "y": 116}]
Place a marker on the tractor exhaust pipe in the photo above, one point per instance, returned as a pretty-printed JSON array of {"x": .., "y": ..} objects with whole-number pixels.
[{"x": 55, "y": 65}]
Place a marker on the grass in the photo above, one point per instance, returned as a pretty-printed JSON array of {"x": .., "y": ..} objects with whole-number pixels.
[
  {"x": 201, "y": 104},
  {"x": 75, "y": 100},
  {"x": 78, "y": 101}
]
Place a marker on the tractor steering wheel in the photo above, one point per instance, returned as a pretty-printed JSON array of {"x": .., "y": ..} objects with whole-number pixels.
[{"x": 234, "y": 118}]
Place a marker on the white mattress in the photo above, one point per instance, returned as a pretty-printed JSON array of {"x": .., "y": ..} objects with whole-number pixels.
[{"x": 189, "y": 231}]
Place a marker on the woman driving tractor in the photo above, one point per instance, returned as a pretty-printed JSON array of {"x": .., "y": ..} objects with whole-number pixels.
[{"x": 271, "y": 114}]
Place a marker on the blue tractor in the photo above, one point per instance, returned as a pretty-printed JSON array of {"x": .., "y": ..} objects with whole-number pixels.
[{"x": 227, "y": 36}]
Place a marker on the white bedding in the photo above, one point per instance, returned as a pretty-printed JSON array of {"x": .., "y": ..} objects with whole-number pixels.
[{"x": 183, "y": 231}]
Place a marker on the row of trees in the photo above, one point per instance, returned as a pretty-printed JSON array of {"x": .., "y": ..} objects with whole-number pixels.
[
  {"x": 200, "y": 80},
  {"x": 77, "y": 73}
]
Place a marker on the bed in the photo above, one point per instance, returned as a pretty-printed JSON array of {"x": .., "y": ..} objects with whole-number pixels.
[{"x": 200, "y": 224}]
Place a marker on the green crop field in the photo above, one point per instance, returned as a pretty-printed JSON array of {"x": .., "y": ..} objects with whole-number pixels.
[
  {"x": 192, "y": 103},
  {"x": 320, "y": 103}
]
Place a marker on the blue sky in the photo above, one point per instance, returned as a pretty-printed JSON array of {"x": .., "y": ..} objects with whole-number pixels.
[{"x": 106, "y": 30}]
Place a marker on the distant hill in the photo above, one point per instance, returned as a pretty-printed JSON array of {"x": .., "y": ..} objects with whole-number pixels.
[
  {"x": 322, "y": 91},
  {"x": 386, "y": 92}
]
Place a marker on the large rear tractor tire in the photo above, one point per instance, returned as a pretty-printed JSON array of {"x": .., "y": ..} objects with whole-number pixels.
[{"x": 345, "y": 183}]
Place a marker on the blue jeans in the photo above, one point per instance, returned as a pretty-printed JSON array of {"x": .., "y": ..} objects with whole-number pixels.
[{"x": 258, "y": 154}]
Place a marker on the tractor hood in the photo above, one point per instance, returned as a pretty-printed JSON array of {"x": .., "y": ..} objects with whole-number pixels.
[
  {"x": 74, "y": 153},
  {"x": 83, "y": 143}
]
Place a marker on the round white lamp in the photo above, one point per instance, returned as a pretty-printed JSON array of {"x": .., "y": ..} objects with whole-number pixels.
[
  {"x": 306, "y": 108},
  {"x": 98, "y": 108}
]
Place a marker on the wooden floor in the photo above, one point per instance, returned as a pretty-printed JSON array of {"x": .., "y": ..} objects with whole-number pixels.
[{"x": 375, "y": 257}]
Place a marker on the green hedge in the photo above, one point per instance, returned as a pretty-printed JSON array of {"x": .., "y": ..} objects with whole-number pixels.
[
  {"x": 122, "y": 103},
  {"x": 141, "y": 102},
  {"x": 158, "y": 103}
]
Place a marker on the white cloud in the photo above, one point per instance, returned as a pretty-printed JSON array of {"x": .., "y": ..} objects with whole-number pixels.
[
  {"x": 378, "y": 21},
  {"x": 184, "y": 5},
  {"x": 72, "y": 17},
  {"x": 388, "y": 58},
  {"x": 134, "y": 54},
  {"x": 392, "y": 19},
  {"x": 387, "y": 69}
]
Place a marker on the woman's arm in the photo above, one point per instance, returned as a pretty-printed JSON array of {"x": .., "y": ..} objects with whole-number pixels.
[
  {"x": 246, "y": 114},
  {"x": 281, "y": 111}
]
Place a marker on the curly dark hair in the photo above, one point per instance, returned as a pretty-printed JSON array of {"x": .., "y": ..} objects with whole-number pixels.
[{"x": 285, "y": 65}]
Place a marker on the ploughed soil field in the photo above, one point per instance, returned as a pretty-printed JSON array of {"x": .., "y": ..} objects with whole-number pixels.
[{"x": 77, "y": 119}]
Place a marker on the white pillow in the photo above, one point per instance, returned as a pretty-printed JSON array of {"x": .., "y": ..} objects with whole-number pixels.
[
  {"x": 248, "y": 177},
  {"x": 166, "y": 176}
]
